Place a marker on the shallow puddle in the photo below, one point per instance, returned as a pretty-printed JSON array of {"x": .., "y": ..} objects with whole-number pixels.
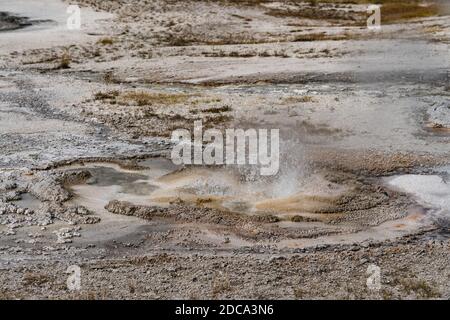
[
  {"x": 28, "y": 201},
  {"x": 11, "y": 22},
  {"x": 111, "y": 182},
  {"x": 430, "y": 191},
  {"x": 130, "y": 183}
]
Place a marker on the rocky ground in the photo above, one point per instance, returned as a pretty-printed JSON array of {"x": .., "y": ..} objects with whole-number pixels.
[{"x": 85, "y": 123}]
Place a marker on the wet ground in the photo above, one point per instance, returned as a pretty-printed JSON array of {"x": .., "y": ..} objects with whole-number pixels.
[
  {"x": 8, "y": 22},
  {"x": 85, "y": 175}
]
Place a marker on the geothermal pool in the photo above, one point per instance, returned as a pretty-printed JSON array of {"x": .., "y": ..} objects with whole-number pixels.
[{"x": 160, "y": 183}]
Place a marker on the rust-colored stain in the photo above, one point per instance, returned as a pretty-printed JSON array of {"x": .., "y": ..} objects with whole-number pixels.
[
  {"x": 415, "y": 217},
  {"x": 437, "y": 128}
]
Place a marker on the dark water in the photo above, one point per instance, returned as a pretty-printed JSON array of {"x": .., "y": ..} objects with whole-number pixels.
[
  {"x": 11, "y": 22},
  {"x": 28, "y": 201},
  {"x": 130, "y": 182}
]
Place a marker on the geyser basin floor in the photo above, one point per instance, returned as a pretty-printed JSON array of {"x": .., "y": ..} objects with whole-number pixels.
[{"x": 368, "y": 98}]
